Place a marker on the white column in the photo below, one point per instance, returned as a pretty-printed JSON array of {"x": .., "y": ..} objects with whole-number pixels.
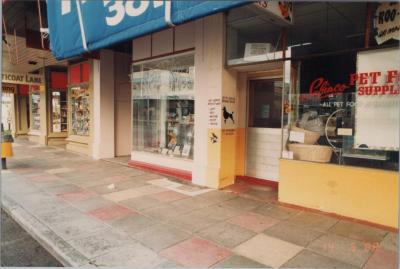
[{"x": 103, "y": 143}]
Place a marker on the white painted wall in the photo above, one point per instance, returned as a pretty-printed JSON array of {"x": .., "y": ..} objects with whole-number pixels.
[
  {"x": 123, "y": 115},
  {"x": 103, "y": 145}
]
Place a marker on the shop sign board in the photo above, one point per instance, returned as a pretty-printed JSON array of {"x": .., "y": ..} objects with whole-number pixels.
[
  {"x": 79, "y": 26},
  {"x": 280, "y": 9},
  {"x": 17, "y": 78},
  {"x": 377, "y": 115},
  {"x": 9, "y": 88},
  {"x": 387, "y": 22}
]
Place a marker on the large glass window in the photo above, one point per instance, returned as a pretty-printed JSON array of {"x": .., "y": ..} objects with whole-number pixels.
[
  {"x": 35, "y": 108},
  {"x": 163, "y": 106},
  {"x": 262, "y": 31},
  {"x": 345, "y": 109},
  {"x": 80, "y": 110}
]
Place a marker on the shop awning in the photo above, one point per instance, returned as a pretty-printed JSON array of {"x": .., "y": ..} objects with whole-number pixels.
[{"x": 79, "y": 26}]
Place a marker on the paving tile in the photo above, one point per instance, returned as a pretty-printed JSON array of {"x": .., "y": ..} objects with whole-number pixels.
[
  {"x": 347, "y": 250},
  {"x": 118, "y": 186},
  {"x": 382, "y": 259},
  {"x": 168, "y": 196},
  {"x": 165, "y": 212},
  {"x": 263, "y": 194},
  {"x": 113, "y": 212},
  {"x": 62, "y": 189},
  {"x": 390, "y": 242},
  {"x": 192, "y": 221},
  {"x": 133, "y": 193},
  {"x": 59, "y": 170},
  {"x": 141, "y": 203},
  {"x": 160, "y": 236},
  {"x": 254, "y": 222},
  {"x": 100, "y": 243},
  {"x": 242, "y": 203},
  {"x": 133, "y": 255},
  {"x": 226, "y": 234},
  {"x": 195, "y": 252},
  {"x": 292, "y": 233},
  {"x": 267, "y": 250},
  {"x": 217, "y": 196},
  {"x": 76, "y": 196},
  {"x": 314, "y": 221},
  {"x": 237, "y": 261},
  {"x": 358, "y": 231},
  {"x": 91, "y": 203},
  {"x": 115, "y": 178},
  {"x": 309, "y": 259},
  {"x": 238, "y": 188},
  {"x": 44, "y": 177},
  {"x": 276, "y": 211},
  {"x": 219, "y": 212},
  {"x": 133, "y": 224}
]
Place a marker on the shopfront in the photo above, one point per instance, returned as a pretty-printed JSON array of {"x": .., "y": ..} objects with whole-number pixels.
[
  {"x": 23, "y": 94},
  {"x": 340, "y": 105},
  {"x": 303, "y": 95},
  {"x": 79, "y": 101}
]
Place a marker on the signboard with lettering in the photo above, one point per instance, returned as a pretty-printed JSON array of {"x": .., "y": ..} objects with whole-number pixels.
[
  {"x": 387, "y": 22},
  {"x": 17, "y": 78},
  {"x": 80, "y": 26},
  {"x": 377, "y": 117}
]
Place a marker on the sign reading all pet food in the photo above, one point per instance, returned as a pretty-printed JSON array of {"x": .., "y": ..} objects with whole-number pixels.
[{"x": 387, "y": 22}]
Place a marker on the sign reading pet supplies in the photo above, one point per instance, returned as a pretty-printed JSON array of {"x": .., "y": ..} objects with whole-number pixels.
[{"x": 16, "y": 78}]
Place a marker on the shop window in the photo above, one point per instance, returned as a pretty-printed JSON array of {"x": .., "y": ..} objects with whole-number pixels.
[
  {"x": 59, "y": 111},
  {"x": 80, "y": 110},
  {"x": 163, "y": 106},
  {"x": 35, "y": 108},
  {"x": 261, "y": 31},
  {"x": 344, "y": 109}
]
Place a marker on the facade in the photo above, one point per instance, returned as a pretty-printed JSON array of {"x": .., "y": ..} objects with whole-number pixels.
[
  {"x": 228, "y": 97},
  {"x": 300, "y": 96}
]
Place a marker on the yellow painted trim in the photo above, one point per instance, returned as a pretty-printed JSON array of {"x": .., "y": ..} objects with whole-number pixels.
[{"x": 355, "y": 192}]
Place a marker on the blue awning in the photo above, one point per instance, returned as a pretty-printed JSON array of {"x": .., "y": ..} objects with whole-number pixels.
[{"x": 79, "y": 26}]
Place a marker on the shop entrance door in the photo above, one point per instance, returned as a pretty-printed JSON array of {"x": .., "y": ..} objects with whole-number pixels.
[{"x": 264, "y": 128}]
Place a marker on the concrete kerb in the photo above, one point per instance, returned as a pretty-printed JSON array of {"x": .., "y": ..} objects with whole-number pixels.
[{"x": 54, "y": 244}]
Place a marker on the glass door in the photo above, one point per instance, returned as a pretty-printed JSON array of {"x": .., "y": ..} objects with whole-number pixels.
[{"x": 264, "y": 128}]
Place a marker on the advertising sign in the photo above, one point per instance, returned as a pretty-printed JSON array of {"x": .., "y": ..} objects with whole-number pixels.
[
  {"x": 387, "y": 22},
  {"x": 79, "y": 26}
]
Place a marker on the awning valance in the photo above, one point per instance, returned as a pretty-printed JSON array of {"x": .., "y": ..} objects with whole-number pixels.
[{"x": 78, "y": 26}]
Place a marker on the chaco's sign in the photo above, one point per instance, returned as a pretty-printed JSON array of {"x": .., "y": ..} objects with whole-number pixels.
[
  {"x": 17, "y": 78},
  {"x": 368, "y": 83}
]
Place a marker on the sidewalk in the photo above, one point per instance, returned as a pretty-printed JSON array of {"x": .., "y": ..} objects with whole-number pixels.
[{"x": 99, "y": 213}]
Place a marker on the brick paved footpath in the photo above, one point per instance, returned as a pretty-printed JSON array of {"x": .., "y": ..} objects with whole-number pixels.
[{"x": 98, "y": 213}]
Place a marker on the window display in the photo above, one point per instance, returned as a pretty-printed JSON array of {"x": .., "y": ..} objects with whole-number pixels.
[
  {"x": 35, "y": 108},
  {"x": 345, "y": 110},
  {"x": 163, "y": 106},
  {"x": 80, "y": 110},
  {"x": 59, "y": 111}
]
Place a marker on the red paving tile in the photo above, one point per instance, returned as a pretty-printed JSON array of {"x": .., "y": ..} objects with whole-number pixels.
[
  {"x": 112, "y": 212},
  {"x": 196, "y": 252},
  {"x": 254, "y": 222},
  {"x": 168, "y": 196},
  {"x": 382, "y": 259},
  {"x": 76, "y": 196}
]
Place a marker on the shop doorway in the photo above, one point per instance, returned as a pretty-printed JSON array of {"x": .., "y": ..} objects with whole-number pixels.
[{"x": 264, "y": 125}]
